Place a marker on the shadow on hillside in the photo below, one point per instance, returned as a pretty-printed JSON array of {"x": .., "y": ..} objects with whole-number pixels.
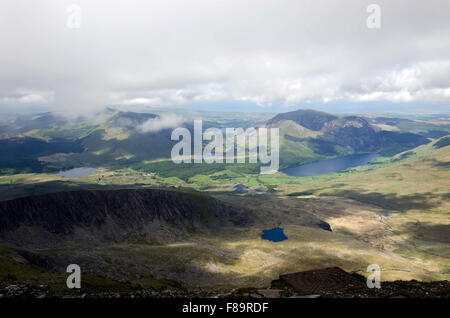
[
  {"x": 314, "y": 191},
  {"x": 440, "y": 164},
  {"x": 420, "y": 201},
  {"x": 429, "y": 232}
]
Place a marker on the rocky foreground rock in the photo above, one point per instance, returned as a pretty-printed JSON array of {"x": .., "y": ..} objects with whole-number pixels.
[{"x": 309, "y": 284}]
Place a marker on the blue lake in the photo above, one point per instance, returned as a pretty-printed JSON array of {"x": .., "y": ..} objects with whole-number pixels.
[
  {"x": 76, "y": 172},
  {"x": 274, "y": 235},
  {"x": 386, "y": 213},
  {"x": 330, "y": 165}
]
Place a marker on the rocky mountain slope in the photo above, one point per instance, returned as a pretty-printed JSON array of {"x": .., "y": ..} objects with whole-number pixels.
[
  {"x": 136, "y": 234},
  {"x": 328, "y": 284},
  {"x": 112, "y": 215}
]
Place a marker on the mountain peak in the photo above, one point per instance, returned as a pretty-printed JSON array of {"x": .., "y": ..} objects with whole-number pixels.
[{"x": 308, "y": 118}]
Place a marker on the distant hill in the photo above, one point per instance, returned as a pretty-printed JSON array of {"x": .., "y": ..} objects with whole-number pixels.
[
  {"x": 443, "y": 142},
  {"x": 308, "y": 135},
  {"x": 129, "y": 120},
  {"x": 308, "y": 118},
  {"x": 47, "y": 142}
]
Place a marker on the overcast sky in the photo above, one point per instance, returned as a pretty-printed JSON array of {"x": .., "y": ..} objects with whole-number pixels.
[{"x": 169, "y": 53}]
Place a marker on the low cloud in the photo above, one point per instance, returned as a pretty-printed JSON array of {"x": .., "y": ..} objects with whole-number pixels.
[
  {"x": 26, "y": 97},
  {"x": 165, "y": 121},
  {"x": 148, "y": 53}
]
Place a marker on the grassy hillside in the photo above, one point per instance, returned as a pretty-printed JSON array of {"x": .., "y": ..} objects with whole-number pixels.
[{"x": 413, "y": 188}]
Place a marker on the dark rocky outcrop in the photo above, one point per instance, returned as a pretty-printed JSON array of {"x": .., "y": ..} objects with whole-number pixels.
[
  {"x": 319, "y": 281},
  {"x": 325, "y": 226},
  {"x": 397, "y": 289},
  {"x": 112, "y": 214},
  {"x": 354, "y": 132}
]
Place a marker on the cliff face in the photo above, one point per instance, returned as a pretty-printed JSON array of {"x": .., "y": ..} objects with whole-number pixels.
[
  {"x": 354, "y": 132},
  {"x": 113, "y": 214}
]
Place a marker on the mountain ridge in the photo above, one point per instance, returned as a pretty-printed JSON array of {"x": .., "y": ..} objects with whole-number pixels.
[
  {"x": 307, "y": 135},
  {"x": 95, "y": 215}
]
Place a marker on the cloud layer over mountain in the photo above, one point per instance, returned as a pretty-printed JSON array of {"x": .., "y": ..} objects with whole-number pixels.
[
  {"x": 165, "y": 121},
  {"x": 165, "y": 53}
]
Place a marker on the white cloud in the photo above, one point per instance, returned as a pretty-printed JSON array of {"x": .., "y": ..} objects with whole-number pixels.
[
  {"x": 165, "y": 121},
  {"x": 26, "y": 97},
  {"x": 425, "y": 82},
  {"x": 151, "y": 53}
]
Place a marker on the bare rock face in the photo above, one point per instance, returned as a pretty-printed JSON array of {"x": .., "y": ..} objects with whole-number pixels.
[
  {"x": 354, "y": 132},
  {"x": 325, "y": 226},
  {"x": 112, "y": 215},
  {"x": 319, "y": 281}
]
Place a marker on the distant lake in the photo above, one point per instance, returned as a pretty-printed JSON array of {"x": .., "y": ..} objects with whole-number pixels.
[
  {"x": 386, "y": 213},
  {"x": 76, "y": 172},
  {"x": 330, "y": 165},
  {"x": 274, "y": 235}
]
